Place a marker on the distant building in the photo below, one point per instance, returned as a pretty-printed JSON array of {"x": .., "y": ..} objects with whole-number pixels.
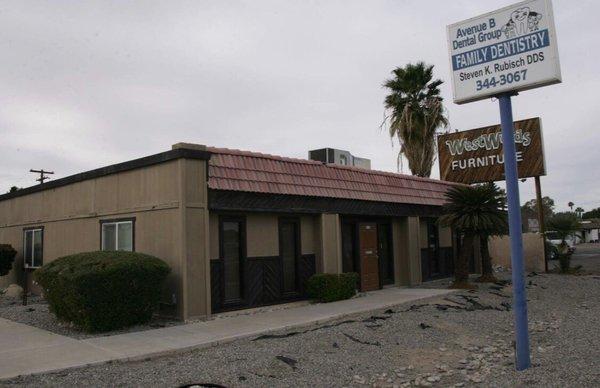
[
  {"x": 339, "y": 157},
  {"x": 589, "y": 230}
]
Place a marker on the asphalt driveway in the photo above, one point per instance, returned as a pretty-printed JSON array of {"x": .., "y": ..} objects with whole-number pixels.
[{"x": 588, "y": 256}]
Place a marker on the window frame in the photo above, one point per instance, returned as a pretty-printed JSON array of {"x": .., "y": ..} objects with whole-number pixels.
[
  {"x": 118, "y": 221},
  {"x": 32, "y": 229}
]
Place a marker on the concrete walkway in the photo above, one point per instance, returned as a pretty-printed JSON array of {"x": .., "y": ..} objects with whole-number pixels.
[{"x": 27, "y": 350}]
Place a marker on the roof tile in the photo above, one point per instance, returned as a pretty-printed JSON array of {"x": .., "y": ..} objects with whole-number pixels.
[{"x": 255, "y": 172}]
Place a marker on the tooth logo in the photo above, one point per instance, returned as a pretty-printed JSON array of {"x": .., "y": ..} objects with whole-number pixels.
[{"x": 522, "y": 21}]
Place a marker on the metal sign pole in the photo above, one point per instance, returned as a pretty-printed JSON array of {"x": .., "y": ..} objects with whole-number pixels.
[{"x": 522, "y": 360}]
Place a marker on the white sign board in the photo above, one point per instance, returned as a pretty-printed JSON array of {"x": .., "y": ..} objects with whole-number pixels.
[{"x": 511, "y": 49}]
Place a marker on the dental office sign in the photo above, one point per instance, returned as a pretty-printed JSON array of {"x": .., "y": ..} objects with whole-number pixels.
[
  {"x": 511, "y": 49},
  {"x": 476, "y": 155}
]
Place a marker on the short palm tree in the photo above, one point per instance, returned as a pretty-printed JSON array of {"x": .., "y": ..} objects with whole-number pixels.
[
  {"x": 473, "y": 211},
  {"x": 415, "y": 112},
  {"x": 563, "y": 225}
]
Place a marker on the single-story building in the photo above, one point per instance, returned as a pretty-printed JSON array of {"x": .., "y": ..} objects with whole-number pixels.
[
  {"x": 239, "y": 229},
  {"x": 589, "y": 230}
]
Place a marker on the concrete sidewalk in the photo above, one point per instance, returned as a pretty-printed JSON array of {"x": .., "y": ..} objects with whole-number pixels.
[{"x": 28, "y": 350}]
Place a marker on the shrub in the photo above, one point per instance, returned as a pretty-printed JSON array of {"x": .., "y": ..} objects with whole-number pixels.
[
  {"x": 326, "y": 287},
  {"x": 102, "y": 291},
  {"x": 7, "y": 257}
]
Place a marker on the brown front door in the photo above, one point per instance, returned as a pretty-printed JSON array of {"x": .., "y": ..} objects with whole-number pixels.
[{"x": 369, "y": 260}]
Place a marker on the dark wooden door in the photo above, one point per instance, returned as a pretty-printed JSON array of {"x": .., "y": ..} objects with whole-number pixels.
[{"x": 369, "y": 260}]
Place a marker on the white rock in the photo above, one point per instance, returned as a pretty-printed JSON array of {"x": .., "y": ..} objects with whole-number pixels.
[
  {"x": 13, "y": 291},
  {"x": 476, "y": 378},
  {"x": 434, "y": 378}
]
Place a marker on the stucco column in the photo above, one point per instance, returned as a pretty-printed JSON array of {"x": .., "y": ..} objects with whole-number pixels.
[
  {"x": 195, "y": 242},
  {"x": 330, "y": 243},
  {"x": 407, "y": 251}
]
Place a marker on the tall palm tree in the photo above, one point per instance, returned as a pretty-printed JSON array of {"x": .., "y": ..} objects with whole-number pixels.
[
  {"x": 415, "y": 112},
  {"x": 473, "y": 211},
  {"x": 571, "y": 204}
]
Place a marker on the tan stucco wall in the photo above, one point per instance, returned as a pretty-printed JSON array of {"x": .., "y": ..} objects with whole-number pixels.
[
  {"x": 407, "y": 250},
  {"x": 71, "y": 214},
  {"x": 165, "y": 199},
  {"x": 308, "y": 228},
  {"x": 330, "y": 243},
  {"x": 533, "y": 251},
  {"x": 445, "y": 234},
  {"x": 195, "y": 239},
  {"x": 262, "y": 234}
]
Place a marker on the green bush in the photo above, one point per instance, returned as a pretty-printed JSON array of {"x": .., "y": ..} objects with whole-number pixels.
[
  {"x": 102, "y": 291},
  {"x": 7, "y": 257},
  {"x": 326, "y": 287}
]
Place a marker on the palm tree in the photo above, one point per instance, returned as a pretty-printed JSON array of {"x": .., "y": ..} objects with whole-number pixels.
[
  {"x": 498, "y": 229},
  {"x": 563, "y": 225},
  {"x": 571, "y": 204},
  {"x": 579, "y": 211},
  {"x": 474, "y": 212},
  {"x": 415, "y": 112}
]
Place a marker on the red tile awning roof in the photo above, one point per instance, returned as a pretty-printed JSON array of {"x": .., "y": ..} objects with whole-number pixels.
[{"x": 236, "y": 170}]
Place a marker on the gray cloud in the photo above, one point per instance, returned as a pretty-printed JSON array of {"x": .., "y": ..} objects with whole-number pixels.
[{"x": 86, "y": 84}]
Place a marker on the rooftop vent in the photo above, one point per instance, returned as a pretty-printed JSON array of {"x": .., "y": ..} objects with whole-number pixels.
[{"x": 339, "y": 157}]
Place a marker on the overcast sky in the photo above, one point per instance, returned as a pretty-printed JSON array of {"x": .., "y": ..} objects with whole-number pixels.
[{"x": 88, "y": 84}]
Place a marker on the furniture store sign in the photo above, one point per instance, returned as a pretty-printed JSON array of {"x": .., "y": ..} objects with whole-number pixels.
[
  {"x": 476, "y": 155},
  {"x": 511, "y": 49}
]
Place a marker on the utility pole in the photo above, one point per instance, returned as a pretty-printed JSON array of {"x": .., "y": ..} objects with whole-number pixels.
[
  {"x": 43, "y": 174},
  {"x": 540, "y": 210}
]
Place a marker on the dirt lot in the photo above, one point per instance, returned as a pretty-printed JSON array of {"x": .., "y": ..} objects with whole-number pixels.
[{"x": 464, "y": 339}]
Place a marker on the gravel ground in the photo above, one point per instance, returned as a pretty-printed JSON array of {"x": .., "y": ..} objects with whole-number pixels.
[
  {"x": 464, "y": 339},
  {"x": 36, "y": 314}
]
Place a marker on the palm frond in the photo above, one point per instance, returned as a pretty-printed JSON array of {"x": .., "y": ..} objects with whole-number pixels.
[{"x": 416, "y": 113}]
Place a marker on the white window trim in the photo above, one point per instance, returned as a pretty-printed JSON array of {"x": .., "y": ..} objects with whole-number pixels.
[
  {"x": 33, "y": 258},
  {"x": 116, "y": 224}
]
